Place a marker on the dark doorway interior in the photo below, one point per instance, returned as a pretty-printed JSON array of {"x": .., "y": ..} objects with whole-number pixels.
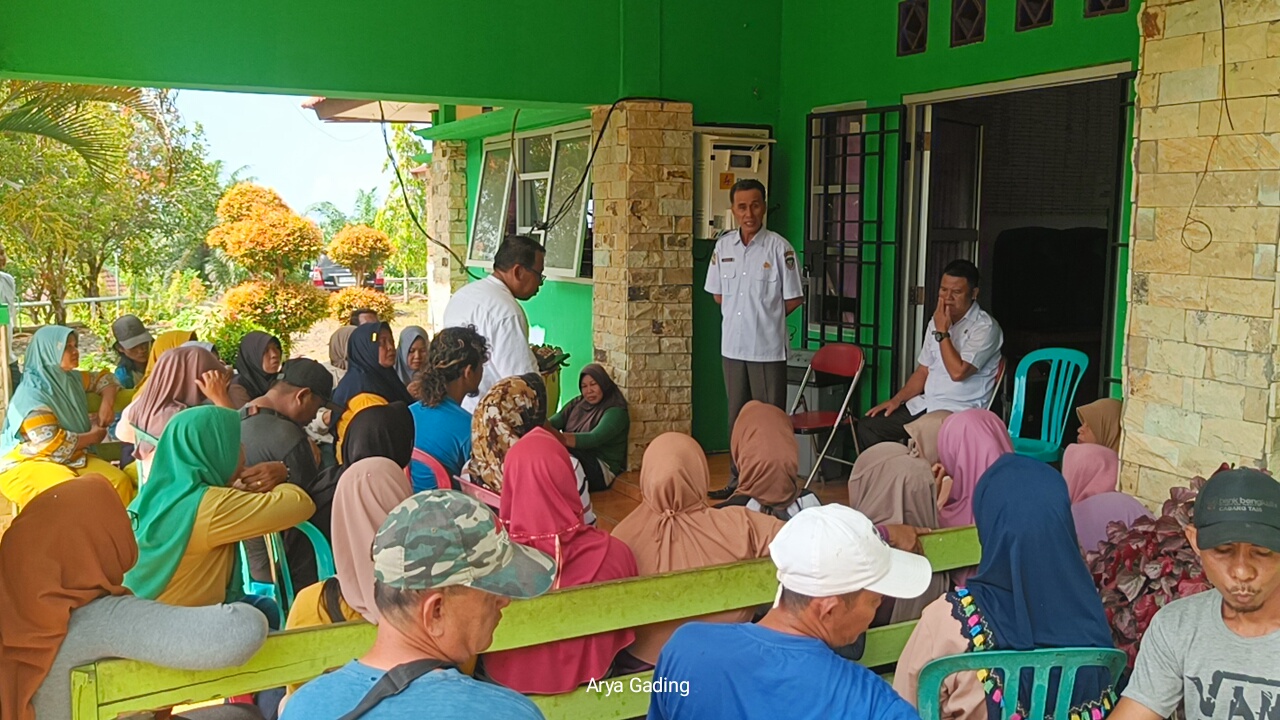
[{"x": 1027, "y": 185}]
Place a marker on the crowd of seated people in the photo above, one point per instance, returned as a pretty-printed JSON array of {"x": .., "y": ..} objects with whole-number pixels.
[{"x": 97, "y": 564}]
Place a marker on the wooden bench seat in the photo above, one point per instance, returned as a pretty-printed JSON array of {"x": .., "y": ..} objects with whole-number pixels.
[{"x": 108, "y": 688}]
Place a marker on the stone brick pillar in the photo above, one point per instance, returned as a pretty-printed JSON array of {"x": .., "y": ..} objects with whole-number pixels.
[
  {"x": 642, "y": 306},
  {"x": 447, "y": 215},
  {"x": 1204, "y": 329}
]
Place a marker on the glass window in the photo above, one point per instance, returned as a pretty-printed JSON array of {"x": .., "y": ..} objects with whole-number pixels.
[
  {"x": 567, "y": 213},
  {"x": 489, "y": 224}
]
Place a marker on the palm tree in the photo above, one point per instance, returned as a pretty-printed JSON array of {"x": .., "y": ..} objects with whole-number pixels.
[{"x": 53, "y": 110}]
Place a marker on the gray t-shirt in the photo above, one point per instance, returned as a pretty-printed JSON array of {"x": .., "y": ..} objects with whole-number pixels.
[
  {"x": 1189, "y": 655},
  {"x": 198, "y": 638}
]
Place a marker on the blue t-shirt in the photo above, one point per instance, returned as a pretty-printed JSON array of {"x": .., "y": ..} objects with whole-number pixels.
[
  {"x": 712, "y": 670},
  {"x": 444, "y": 433},
  {"x": 439, "y": 695}
]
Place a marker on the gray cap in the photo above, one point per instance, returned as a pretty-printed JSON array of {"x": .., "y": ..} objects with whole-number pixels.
[{"x": 130, "y": 332}]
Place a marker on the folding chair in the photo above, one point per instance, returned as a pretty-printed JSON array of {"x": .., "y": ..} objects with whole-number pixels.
[
  {"x": 842, "y": 360},
  {"x": 995, "y": 389}
]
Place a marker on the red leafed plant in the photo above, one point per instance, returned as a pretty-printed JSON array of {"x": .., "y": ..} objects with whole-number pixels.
[{"x": 1142, "y": 568}]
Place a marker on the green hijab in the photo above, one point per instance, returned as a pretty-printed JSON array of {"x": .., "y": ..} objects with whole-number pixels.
[
  {"x": 200, "y": 449},
  {"x": 46, "y": 384}
]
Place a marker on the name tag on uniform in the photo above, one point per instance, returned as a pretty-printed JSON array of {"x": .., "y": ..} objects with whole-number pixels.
[{"x": 726, "y": 259}]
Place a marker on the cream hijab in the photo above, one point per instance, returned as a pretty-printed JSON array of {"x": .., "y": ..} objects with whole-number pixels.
[{"x": 367, "y": 492}]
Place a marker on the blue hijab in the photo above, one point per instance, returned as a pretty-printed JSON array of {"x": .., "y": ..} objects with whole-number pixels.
[
  {"x": 364, "y": 373},
  {"x": 1032, "y": 587},
  {"x": 46, "y": 384}
]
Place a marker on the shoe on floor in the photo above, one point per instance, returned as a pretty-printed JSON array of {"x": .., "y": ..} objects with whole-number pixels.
[{"x": 723, "y": 493}]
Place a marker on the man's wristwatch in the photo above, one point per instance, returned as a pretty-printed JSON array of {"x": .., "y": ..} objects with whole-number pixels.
[{"x": 940, "y": 336}]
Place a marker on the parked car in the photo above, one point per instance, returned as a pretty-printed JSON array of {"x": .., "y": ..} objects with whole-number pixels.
[{"x": 333, "y": 277}]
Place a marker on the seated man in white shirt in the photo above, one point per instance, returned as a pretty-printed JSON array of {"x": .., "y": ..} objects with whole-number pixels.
[
  {"x": 490, "y": 306},
  {"x": 958, "y": 362}
]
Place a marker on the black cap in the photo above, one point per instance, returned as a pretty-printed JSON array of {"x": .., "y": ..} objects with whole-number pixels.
[
  {"x": 307, "y": 373},
  {"x": 1238, "y": 506}
]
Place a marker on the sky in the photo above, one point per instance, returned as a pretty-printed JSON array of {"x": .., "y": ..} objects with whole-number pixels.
[{"x": 283, "y": 146}]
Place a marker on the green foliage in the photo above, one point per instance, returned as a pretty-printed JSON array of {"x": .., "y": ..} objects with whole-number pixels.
[{"x": 410, "y": 256}]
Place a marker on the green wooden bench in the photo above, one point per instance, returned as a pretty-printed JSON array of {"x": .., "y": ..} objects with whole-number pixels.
[{"x": 109, "y": 688}]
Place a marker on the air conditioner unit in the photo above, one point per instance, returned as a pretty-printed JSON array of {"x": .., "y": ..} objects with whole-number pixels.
[{"x": 723, "y": 156}]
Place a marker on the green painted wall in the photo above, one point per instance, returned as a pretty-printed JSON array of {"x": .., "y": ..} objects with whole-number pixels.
[{"x": 561, "y": 308}]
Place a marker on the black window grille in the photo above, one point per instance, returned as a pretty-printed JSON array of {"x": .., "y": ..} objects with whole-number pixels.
[
  {"x": 913, "y": 26},
  {"x": 968, "y": 21},
  {"x": 1118, "y": 248},
  {"x": 1032, "y": 14},
  {"x": 853, "y": 223},
  {"x": 1094, "y": 8}
]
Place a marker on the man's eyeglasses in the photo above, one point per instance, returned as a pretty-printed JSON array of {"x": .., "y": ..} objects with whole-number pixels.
[{"x": 542, "y": 275}]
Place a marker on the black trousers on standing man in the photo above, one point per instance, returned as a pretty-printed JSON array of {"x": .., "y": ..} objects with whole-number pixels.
[{"x": 745, "y": 381}]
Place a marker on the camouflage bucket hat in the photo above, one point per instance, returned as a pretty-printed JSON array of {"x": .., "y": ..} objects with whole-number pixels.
[{"x": 440, "y": 538}]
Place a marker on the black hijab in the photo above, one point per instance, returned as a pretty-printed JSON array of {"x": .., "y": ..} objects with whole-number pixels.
[
  {"x": 377, "y": 431},
  {"x": 365, "y": 374},
  {"x": 249, "y": 372}
]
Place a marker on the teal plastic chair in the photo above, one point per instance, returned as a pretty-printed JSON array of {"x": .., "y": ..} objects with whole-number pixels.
[
  {"x": 1012, "y": 662},
  {"x": 1066, "y": 368},
  {"x": 324, "y": 566}
]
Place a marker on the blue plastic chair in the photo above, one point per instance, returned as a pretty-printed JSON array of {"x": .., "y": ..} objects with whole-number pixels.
[
  {"x": 1066, "y": 368},
  {"x": 324, "y": 565},
  {"x": 1043, "y": 662}
]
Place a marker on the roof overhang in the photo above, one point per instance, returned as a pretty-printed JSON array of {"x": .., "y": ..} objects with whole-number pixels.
[{"x": 339, "y": 110}]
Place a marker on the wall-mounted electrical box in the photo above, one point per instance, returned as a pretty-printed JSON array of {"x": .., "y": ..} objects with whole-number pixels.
[{"x": 723, "y": 156}]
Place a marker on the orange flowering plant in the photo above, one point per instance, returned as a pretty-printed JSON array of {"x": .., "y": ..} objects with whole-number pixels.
[
  {"x": 361, "y": 249},
  {"x": 260, "y": 233},
  {"x": 283, "y": 308},
  {"x": 348, "y": 300}
]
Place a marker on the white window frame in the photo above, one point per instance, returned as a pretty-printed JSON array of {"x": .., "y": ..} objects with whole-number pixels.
[{"x": 558, "y": 134}]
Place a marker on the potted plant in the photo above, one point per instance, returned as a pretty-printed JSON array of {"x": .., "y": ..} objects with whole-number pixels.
[
  {"x": 1141, "y": 568},
  {"x": 550, "y": 360}
]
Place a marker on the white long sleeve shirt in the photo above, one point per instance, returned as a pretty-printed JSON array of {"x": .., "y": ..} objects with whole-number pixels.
[{"x": 489, "y": 305}]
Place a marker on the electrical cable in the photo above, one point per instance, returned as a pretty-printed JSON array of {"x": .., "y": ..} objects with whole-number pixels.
[{"x": 408, "y": 205}]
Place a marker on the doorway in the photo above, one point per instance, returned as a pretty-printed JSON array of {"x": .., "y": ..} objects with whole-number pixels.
[{"x": 1029, "y": 186}]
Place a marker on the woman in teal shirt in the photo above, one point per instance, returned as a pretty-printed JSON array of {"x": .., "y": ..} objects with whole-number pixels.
[
  {"x": 594, "y": 427},
  {"x": 442, "y": 429}
]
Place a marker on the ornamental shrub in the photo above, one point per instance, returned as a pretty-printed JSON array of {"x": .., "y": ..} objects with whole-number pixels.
[
  {"x": 261, "y": 234},
  {"x": 361, "y": 249},
  {"x": 280, "y": 308},
  {"x": 348, "y": 300}
]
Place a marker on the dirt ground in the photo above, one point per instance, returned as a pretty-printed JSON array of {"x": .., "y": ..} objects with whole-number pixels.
[{"x": 314, "y": 344}]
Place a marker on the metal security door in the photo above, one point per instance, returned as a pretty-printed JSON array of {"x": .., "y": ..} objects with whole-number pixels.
[{"x": 853, "y": 237}]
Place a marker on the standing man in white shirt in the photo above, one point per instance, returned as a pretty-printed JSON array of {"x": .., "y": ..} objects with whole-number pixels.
[
  {"x": 9, "y": 297},
  {"x": 491, "y": 306},
  {"x": 958, "y": 362},
  {"x": 754, "y": 278}
]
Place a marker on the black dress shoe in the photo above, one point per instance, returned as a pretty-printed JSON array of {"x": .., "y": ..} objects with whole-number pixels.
[{"x": 723, "y": 493}]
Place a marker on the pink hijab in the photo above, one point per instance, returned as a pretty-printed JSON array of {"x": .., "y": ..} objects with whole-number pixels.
[
  {"x": 367, "y": 492},
  {"x": 968, "y": 443},
  {"x": 541, "y": 509},
  {"x": 1090, "y": 470}
]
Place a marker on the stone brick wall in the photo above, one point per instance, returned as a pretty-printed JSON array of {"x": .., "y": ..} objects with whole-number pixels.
[
  {"x": 447, "y": 218},
  {"x": 643, "y": 295},
  {"x": 1204, "y": 324}
]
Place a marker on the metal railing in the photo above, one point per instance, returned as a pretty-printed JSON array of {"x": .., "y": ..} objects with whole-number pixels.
[{"x": 30, "y": 305}]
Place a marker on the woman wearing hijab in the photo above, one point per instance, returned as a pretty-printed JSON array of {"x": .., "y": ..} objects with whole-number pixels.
[
  {"x": 595, "y": 425},
  {"x": 541, "y": 509},
  {"x": 338, "y": 342},
  {"x": 968, "y": 443},
  {"x": 257, "y": 366},
  {"x": 183, "y": 378},
  {"x": 1031, "y": 591},
  {"x": 371, "y": 367},
  {"x": 189, "y": 520},
  {"x": 411, "y": 353},
  {"x": 1093, "y": 516},
  {"x": 1100, "y": 423},
  {"x": 896, "y": 484},
  {"x": 763, "y": 447},
  {"x": 512, "y": 408},
  {"x": 48, "y": 430},
  {"x": 674, "y": 529},
  {"x": 368, "y": 491},
  {"x": 63, "y": 604},
  {"x": 1092, "y": 473},
  {"x": 164, "y": 342}
]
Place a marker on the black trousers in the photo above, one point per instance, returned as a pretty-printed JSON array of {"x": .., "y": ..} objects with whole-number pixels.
[
  {"x": 883, "y": 428},
  {"x": 746, "y": 381}
]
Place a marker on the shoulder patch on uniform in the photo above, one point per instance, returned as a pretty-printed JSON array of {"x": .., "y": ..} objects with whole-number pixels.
[
  {"x": 714, "y": 256},
  {"x": 791, "y": 260}
]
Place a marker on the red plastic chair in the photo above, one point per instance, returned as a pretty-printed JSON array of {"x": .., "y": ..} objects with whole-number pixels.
[
  {"x": 995, "y": 389},
  {"x": 840, "y": 359},
  {"x": 443, "y": 481}
]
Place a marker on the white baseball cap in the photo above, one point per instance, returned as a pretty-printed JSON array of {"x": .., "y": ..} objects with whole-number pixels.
[{"x": 835, "y": 550}]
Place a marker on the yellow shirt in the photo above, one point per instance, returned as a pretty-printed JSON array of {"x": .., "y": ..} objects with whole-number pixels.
[
  {"x": 226, "y": 517},
  {"x": 309, "y": 611}
]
